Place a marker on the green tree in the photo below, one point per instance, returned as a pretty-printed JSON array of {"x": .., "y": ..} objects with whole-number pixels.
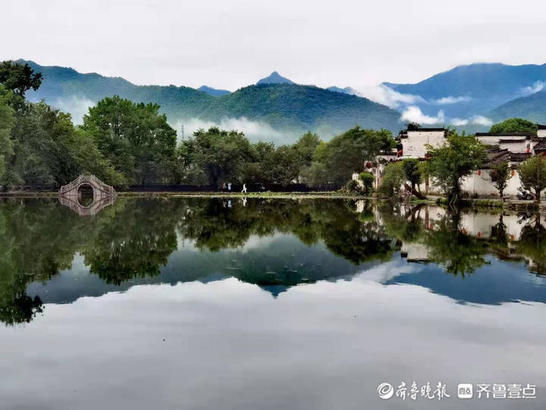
[
  {"x": 367, "y": 179},
  {"x": 347, "y": 153},
  {"x": 135, "y": 138},
  {"x": 48, "y": 150},
  {"x": 500, "y": 174},
  {"x": 412, "y": 171},
  {"x": 393, "y": 178},
  {"x": 283, "y": 165},
  {"x": 424, "y": 169},
  {"x": 18, "y": 79},
  {"x": 7, "y": 122},
  {"x": 513, "y": 125},
  {"x": 306, "y": 147},
  {"x": 456, "y": 159},
  {"x": 221, "y": 155},
  {"x": 532, "y": 173}
]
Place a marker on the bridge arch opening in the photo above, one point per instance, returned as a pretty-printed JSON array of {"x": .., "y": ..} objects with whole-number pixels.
[{"x": 86, "y": 195}]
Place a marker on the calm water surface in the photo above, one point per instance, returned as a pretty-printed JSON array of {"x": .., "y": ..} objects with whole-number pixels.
[{"x": 267, "y": 304}]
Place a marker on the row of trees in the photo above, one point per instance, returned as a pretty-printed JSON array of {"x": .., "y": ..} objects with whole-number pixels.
[{"x": 127, "y": 143}]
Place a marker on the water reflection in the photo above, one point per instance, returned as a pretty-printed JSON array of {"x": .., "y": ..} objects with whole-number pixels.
[{"x": 49, "y": 254}]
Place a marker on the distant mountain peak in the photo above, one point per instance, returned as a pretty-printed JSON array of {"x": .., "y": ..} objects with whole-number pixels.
[
  {"x": 274, "y": 78},
  {"x": 213, "y": 91},
  {"x": 346, "y": 90}
]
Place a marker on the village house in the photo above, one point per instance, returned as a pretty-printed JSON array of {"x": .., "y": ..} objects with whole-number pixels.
[
  {"x": 414, "y": 141},
  {"x": 541, "y": 132},
  {"x": 513, "y": 148}
]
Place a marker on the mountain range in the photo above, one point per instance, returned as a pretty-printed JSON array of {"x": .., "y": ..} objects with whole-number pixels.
[
  {"x": 275, "y": 108},
  {"x": 493, "y": 90}
]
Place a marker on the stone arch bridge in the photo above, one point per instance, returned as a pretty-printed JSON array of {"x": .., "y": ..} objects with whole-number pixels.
[{"x": 71, "y": 195}]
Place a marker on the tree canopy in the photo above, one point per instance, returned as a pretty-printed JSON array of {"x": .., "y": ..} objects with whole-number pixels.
[
  {"x": 513, "y": 125},
  {"x": 134, "y": 137},
  {"x": 456, "y": 159},
  {"x": 532, "y": 173}
]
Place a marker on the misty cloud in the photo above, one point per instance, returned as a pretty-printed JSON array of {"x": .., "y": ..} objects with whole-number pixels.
[
  {"x": 481, "y": 120},
  {"x": 535, "y": 88},
  {"x": 414, "y": 114},
  {"x": 450, "y": 100},
  {"x": 76, "y": 106},
  {"x": 474, "y": 120},
  {"x": 254, "y": 130},
  {"x": 387, "y": 96}
]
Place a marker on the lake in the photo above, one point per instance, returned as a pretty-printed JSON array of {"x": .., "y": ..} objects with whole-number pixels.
[{"x": 199, "y": 303}]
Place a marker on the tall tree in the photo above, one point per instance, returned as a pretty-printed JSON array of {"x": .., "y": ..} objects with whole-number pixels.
[
  {"x": 306, "y": 147},
  {"x": 412, "y": 171},
  {"x": 457, "y": 158},
  {"x": 7, "y": 121},
  {"x": 135, "y": 137},
  {"x": 500, "y": 174},
  {"x": 18, "y": 78},
  {"x": 348, "y": 152},
  {"x": 48, "y": 150},
  {"x": 222, "y": 155},
  {"x": 532, "y": 173}
]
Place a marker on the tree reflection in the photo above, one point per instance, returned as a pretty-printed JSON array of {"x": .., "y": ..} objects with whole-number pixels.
[
  {"x": 532, "y": 244},
  {"x": 134, "y": 239},
  {"x": 135, "y": 242},
  {"x": 458, "y": 252}
]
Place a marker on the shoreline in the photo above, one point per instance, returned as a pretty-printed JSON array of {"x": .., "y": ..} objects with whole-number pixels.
[{"x": 480, "y": 203}]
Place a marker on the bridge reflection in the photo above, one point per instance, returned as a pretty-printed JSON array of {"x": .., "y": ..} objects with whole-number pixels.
[{"x": 87, "y": 195}]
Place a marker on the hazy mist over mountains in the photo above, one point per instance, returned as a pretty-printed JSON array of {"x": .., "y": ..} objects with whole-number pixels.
[{"x": 277, "y": 109}]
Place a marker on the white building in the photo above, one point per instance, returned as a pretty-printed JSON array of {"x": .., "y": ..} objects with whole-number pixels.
[
  {"x": 513, "y": 148},
  {"x": 541, "y": 132},
  {"x": 514, "y": 142},
  {"x": 415, "y": 141}
]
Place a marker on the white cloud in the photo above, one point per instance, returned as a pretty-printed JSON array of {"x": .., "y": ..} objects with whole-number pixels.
[
  {"x": 459, "y": 122},
  {"x": 75, "y": 105},
  {"x": 387, "y": 96},
  {"x": 481, "y": 120},
  {"x": 254, "y": 130},
  {"x": 450, "y": 100},
  {"x": 535, "y": 88},
  {"x": 414, "y": 114},
  {"x": 474, "y": 120}
]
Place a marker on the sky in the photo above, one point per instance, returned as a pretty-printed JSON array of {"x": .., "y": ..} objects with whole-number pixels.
[{"x": 233, "y": 43}]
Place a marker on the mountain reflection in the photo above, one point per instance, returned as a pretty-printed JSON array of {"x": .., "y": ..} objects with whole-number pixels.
[{"x": 271, "y": 243}]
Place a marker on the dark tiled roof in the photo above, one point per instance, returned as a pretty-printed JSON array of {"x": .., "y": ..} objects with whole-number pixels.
[
  {"x": 429, "y": 129},
  {"x": 510, "y": 141},
  {"x": 404, "y": 133},
  {"x": 519, "y": 156},
  {"x": 540, "y": 147},
  {"x": 507, "y": 134},
  {"x": 541, "y": 127},
  {"x": 495, "y": 156}
]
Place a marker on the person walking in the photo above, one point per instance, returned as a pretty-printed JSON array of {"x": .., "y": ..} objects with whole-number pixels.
[{"x": 244, "y": 189}]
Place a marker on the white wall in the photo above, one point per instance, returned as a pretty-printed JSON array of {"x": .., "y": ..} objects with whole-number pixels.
[
  {"x": 520, "y": 146},
  {"x": 480, "y": 183},
  {"x": 414, "y": 146}
]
